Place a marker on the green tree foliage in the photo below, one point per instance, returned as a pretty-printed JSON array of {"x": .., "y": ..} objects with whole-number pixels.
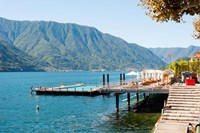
[
  {"x": 185, "y": 65},
  {"x": 195, "y": 66},
  {"x": 165, "y": 10}
]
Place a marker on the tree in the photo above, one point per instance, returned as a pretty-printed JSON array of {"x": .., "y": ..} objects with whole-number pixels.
[
  {"x": 183, "y": 65},
  {"x": 195, "y": 66},
  {"x": 176, "y": 68},
  {"x": 165, "y": 10},
  {"x": 197, "y": 28}
]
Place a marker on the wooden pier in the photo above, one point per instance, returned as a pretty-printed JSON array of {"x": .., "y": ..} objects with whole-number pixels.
[
  {"x": 180, "y": 113},
  {"x": 121, "y": 89},
  {"x": 66, "y": 90}
]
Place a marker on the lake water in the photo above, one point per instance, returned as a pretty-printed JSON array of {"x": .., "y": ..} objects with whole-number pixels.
[{"x": 64, "y": 113}]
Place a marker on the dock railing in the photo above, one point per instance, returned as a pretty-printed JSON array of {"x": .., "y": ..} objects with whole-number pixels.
[{"x": 139, "y": 88}]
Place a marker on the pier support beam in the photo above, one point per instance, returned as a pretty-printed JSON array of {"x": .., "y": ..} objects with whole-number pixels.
[
  {"x": 128, "y": 101},
  {"x": 117, "y": 102},
  {"x": 137, "y": 97}
]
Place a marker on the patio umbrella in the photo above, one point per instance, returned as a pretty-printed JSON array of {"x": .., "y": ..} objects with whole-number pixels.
[{"x": 132, "y": 73}]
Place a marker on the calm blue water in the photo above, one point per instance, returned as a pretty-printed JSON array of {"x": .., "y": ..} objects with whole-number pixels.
[{"x": 62, "y": 113}]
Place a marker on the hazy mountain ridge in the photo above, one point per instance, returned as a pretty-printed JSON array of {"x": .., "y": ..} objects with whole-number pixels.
[
  {"x": 171, "y": 54},
  {"x": 75, "y": 47}
]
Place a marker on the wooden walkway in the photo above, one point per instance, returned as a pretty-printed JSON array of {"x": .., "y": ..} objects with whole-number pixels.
[
  {"x": 67, "y": 90},
  {"x": 182, "y": 108}
]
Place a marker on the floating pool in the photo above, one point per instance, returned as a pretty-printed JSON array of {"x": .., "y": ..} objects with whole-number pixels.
[{"x": 82, "y": 88}]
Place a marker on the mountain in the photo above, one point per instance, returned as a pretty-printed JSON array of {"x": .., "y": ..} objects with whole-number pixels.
[
  {"x": 74, "y": 47},
  {"x": 13, "y": 59},
  {"x": 171, "y": 54}
]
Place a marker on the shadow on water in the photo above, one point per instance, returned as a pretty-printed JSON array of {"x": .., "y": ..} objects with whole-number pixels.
[{"x": 141, "y": 120}]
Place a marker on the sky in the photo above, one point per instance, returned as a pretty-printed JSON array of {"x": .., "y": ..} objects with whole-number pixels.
[{"x": 121, "y": 18}]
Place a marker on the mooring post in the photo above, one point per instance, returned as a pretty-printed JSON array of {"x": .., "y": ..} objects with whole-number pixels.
[
  {"x": 137, "y": 97},
  {"x": 117, "y": 102},
  {"x": 108, "y": 80},
  {"x": 104, "y": 80},
  {"x": 120, "y": 79},
  {"x": 128, "y": 100},
  {"x": 124, "y": 78}
]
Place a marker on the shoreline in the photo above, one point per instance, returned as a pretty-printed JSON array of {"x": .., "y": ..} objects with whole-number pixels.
[{"x": 142, "y": 120}]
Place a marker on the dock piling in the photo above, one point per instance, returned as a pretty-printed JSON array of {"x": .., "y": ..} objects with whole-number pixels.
[
  {"x": 108, "y": 80},
  {"x": 104, "y": 80},
  {"x": 120, "y": 79},
  {"x": 117, "y": 102},
  {"x": 128, "y": 101},
  {"x": 124, "y": 78}
]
